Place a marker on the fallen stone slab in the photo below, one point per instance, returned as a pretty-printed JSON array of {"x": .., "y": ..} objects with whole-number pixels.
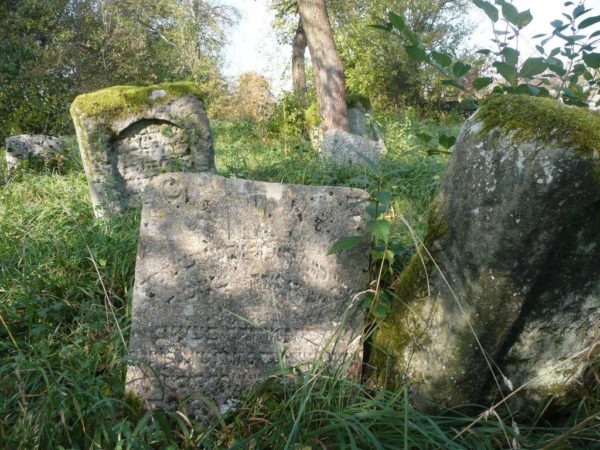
[
  {"x": 127, "y": 135},
  {"x": 505, "y": 291},
  {"x": 232, "y": 277},
  {"x": 38, "y": 148}
]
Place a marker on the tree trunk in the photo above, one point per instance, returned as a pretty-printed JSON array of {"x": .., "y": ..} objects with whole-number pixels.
[
  {"x": 327, "y": 65},
  {"x": 298, "y": 69}
]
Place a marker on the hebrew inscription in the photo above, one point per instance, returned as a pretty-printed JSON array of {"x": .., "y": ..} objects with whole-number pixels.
[{"x": 231, "y": 276}]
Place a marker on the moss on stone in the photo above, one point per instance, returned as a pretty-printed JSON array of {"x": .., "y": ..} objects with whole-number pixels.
[
  {"x": 405, "y": 326},
  {"x": 542, "y": 119},
  {"x": 119, "y": 100}
]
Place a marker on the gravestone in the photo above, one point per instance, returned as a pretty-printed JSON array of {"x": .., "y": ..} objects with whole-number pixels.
[
  {"x": 346, "y": 148},
  {"x": 230, "y": 275},
  {"x": 513, "y": 266},
  {"x": 128, "y": 135},
  {"x": 39, "y": 148}
]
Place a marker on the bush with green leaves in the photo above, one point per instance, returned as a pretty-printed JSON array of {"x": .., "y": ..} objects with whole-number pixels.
[
  {"x": 289, "y": 115},
  {"x": 566, "y": 66}
]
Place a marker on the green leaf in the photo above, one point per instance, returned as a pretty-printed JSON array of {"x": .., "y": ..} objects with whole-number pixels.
[
  {"x": 425, "y": 137},
  {"x": 511, "y": 56},
  {"x": 534, "y": 90},
  {"x": 532, "y": 67},
  {"x": 507, "y": 71},
  {"x": 484, "y": 51},
  {"x": 511, "y": 13},
  {"x": 447, "y": 141},
  {"x": 396, "y": 21},
  {"x": 592, "y": 60},
  {"x": 525, "y": 18},
  {"x": 449, "y": 82},
  {"x": 380, "y": 229},
  {"x": 345, "y": 243},
  {"x": 382, "y": 310},
  {"x": 375, "y": 210},
  {"x": 383, "y": 197},
  {"x": 417, "y": 53},
  {"x": 589, "y": 22},
  {"x": 442, "y": 59},
  {"x": 580, "y": 11},
  {"x": 557, "y": 23},
  {"x": 480, "y": 83},
  {"x": 490, "y": 10},
  {"x": 386, "y": 27},
  {"x": 459, "y": 69}
]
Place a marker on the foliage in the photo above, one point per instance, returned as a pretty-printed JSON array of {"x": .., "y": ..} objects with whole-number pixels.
[
  {"x": 577, "y": 83},
  {"x": 289, "y": 115},
  {"x": 377, "y": 67},
  {"x": 52, "y": 50},
  {"x": 251, "y": 100}
]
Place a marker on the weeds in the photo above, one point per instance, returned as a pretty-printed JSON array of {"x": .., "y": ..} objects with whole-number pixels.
[{"x": 65, "y": 294}]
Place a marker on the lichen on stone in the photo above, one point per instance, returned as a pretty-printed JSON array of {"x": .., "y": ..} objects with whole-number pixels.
[
  {"x": 542, "y": 119},
  {"x": 118, "y": 100}
]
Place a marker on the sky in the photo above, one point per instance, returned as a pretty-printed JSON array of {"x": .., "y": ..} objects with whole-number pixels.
[{"x": 253, "y": 45}]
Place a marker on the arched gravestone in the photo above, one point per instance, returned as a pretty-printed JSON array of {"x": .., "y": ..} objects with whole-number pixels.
[
  {"x": 128, "y": 135},
  {"x": 231, "y": 274}
]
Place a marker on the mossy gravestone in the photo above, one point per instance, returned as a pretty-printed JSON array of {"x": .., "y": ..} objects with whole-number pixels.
[
  {"x": 231, "y": 276},
  {"x": 515, "y": 234},
  {"x": 128, "y": 135}
]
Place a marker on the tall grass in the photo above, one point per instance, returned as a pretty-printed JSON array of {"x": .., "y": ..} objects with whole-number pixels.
[{"x": 65, "y": 295}]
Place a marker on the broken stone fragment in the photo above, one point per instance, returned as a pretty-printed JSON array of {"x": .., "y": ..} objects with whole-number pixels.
[
  {"x": 510, "y": 264},
  {"x": 128, "y": 135},
  {"x": 38, "y": 148}
]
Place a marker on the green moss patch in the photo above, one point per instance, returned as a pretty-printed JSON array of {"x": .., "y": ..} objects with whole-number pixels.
[
  {"x": 545, "y": 119},
  {"x": 118, "y": 100}
]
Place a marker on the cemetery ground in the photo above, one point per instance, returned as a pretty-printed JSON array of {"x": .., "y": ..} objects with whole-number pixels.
[{"x": 66, "y": 283}]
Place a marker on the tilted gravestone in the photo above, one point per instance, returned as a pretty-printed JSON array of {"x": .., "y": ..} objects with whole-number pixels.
[
  {"x": 128, "y": 135},
  {"x": 230, "y": 275},
  {"x": 38, "y": 148},
  {"x": 515, "y": 235}
]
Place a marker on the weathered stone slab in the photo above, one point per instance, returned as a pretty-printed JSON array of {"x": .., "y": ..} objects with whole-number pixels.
[
  {"x": 38, "y": 147},
  {"x": 128, "y": 135},
  {"x": 230, "y": 274},
  {"x": 515, "y": 233},
  {"x": 350, "y": 149}
]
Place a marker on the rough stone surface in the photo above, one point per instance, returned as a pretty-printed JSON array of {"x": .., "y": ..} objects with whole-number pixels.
[
  {"x": 516, "y": 234},
  {"x": 39, "y": 147},
  {"x": 362, "y": 123},
  {"x": 122, "y": 152},
  {"x": 229, "y": 274},
  {"x": 347, "y": 148}
]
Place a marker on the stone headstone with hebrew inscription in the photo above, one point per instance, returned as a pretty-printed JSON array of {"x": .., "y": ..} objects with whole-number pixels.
[
  {"x": 128, "y": 135},
  {"x": 231, "y": 275}
]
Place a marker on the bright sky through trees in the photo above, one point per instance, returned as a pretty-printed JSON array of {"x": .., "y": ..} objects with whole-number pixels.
[{"x": 253, "y": 46}]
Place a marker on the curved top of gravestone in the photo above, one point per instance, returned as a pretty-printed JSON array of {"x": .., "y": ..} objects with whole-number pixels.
[{"x": 120, "y": 106}]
